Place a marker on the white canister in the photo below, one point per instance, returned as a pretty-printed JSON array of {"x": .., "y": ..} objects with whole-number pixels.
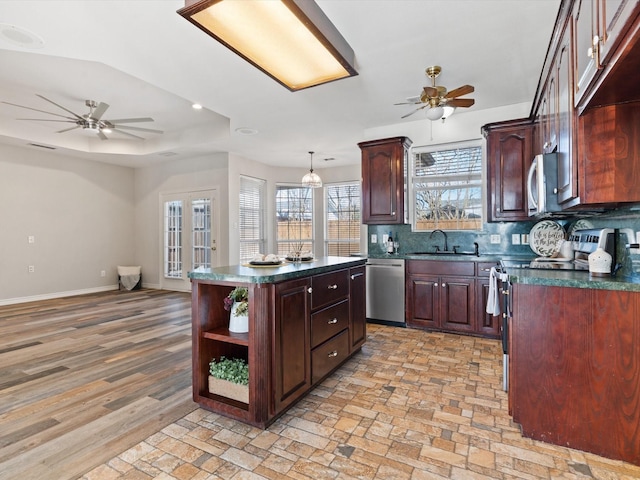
[{"x": 600, "y": 262}]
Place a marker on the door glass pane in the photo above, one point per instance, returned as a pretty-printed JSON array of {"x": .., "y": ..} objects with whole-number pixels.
[
  {"x": 201, "y": 233},
  {"x": 173, "y": 222}
]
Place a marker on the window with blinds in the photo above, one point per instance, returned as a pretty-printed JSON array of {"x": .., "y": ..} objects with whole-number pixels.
[
  {"x": 447, "y": 187},
  {"x": 252, "y": 230},
  {"x": 342, "y": 219},
  {"x": 294, "y": 219}
]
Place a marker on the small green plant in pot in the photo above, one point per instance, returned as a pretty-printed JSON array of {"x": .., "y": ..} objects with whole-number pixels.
[
  {"x": 234, "y": 370},
  {"x": 229, "y": 377}
]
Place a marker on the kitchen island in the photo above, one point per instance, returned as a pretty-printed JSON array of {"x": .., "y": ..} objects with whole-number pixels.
[
  {"x": 305, "y": 320},
  {"x": 574, "y": 363}
]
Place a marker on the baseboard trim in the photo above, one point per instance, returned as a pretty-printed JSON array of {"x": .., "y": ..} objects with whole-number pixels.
[{"x": 49, "y": 296}]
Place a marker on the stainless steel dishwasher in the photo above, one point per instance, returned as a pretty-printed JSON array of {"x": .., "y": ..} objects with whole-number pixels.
[{"x": 385, "y": 291}]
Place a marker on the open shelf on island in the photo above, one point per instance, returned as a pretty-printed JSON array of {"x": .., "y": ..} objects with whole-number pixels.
[{"x": 224, "y": 335}]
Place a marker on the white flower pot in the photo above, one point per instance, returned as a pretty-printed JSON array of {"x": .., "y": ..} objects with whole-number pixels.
[{"x": 238, "y": 323}]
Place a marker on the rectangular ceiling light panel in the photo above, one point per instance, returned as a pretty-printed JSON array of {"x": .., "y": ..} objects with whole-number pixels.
[{"x": 290, "y": 40}]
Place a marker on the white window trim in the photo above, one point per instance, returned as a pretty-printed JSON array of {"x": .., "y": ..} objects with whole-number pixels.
[{"x": 436, "y": 148}]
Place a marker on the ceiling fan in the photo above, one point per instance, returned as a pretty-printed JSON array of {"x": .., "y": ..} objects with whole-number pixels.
[
  {"x": 436, "y": 97},
  {"x": 92, "y": 121}
]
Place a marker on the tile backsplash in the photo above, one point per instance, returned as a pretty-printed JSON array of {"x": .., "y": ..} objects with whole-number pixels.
[{"x": 513, "y": 237}]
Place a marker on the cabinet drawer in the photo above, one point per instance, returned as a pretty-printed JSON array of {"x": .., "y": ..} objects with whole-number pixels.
[
  {"x": 329, "y": 321},
  {"x": 329, "y": 355},
  {"x": 329, "y": 288},
  {"x": 441, "y": 267},
  {"x": 485, "y": 267}
]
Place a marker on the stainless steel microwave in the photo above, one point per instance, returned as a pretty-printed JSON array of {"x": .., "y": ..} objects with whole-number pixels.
[{"x": 542, "y": 186}]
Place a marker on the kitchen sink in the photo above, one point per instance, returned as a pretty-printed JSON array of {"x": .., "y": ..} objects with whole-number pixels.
[{"x": 445, "y": 253}]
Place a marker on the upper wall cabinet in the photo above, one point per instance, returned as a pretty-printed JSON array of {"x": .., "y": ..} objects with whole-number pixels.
[
  {"x": 592, "y": 64},
  {"x": 384, "y": 164},
  {"x": 600, "y": 27},
  {"x": 509, "y": 155}
]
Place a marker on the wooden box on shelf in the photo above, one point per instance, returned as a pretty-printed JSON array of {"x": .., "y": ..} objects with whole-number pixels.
[{"x": 228, "y": 389}]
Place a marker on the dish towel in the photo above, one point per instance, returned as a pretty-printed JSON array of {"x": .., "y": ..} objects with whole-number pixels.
[{"x": 493, "y": 299}]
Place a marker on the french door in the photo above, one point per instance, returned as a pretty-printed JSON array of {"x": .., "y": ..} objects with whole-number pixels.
[{"x": 189, "y": 236}]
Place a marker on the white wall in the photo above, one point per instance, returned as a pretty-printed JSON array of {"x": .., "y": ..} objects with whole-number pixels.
[
  {"x": 87, "y": 216},
  {"x": 80, "y": 213}
]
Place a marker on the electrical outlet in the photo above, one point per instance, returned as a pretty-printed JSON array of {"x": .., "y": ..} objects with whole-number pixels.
[
  {"x": 103, "y": 273},
  {"x": 374, "y": 238},
  {"x": 515, "y": 239},
  {"x": 495, "y": 238},
  {"x": 32, "y": 268},
  {"x": 31, "y": 239},
  {"x": 524, "y": 239},
  {"x": 385, "y": 237}
]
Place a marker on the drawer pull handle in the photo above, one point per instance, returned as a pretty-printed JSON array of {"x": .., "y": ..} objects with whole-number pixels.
[
  {"x": 444, "y": 285},
  {"x": 333, "y": 354},
  {"x": 309, "y": 289},
  {"x": 435, "y": 284},
  {"x": 333, "y": 287},
  {"x": 333, "y": 321},
  {"x": 356, "y": 275}
]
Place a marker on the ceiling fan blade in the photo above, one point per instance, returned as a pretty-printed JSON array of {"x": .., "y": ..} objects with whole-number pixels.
[
  {"x": 36, "y": 110},
  {"x": 139, "y": 129},
  {"x": 68, "y": 129},
  {"x": 114, "y": 129},
  {"x": 458, "y": 92},
  {"x": 414, "y": 111},
  {"x": 431, "y": 91},
  {"x": 60, "y": 106},
  {"x": 99, "y": 111},
  {"x": 131, "y": 120},
  {"x": 102, "y": 135},
  {"x": 461, "y": 102},
  {"x": 408, "y": 103},
  {"x": 71, "y": 120}
]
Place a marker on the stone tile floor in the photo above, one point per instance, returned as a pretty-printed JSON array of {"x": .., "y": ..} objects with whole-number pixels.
[{"x": 410, "y": 405}]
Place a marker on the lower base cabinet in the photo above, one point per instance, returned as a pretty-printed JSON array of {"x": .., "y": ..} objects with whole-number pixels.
[
  {"x": 575, "y": 368},
  {"x": 436, "y": 299},
  {"x": 300, "y": 331}
]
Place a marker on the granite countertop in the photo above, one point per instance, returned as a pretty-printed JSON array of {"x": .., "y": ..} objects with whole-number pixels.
[
  {"x": 575, "y": 279},
  {"x": 483, "y": 257},
  {"x": 277, "y": 273}
]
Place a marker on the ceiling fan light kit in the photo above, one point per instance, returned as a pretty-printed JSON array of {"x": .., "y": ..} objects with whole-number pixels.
[
  {"x": 292, "y": 41},
  {"x": 311, "y": 179},
  {"x": 437, "y": 102}
]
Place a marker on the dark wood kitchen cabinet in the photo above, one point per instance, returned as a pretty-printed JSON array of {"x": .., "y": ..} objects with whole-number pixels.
[
  {"x": 357, "y": 302},
  {"x": 440, "y": 295},
  {"x": 292, "y": 359},
  {"x": 509, "y": 155},
  {"x": 384, "y": 164},
  {"x": 487, "y": 324},
  {"x": 575, "y": 368},
  {"x": 300, "y": 330}
]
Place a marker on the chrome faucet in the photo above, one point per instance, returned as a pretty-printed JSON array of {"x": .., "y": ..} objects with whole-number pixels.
[{"x": 446, "y": 245}]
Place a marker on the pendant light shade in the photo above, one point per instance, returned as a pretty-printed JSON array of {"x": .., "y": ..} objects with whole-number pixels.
[{"x": 311, "y": 180}]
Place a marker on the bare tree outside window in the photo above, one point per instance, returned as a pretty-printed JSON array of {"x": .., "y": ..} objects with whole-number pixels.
[
  {"x": 294, "y": 211},
  {"x": 447, "y": 188}
]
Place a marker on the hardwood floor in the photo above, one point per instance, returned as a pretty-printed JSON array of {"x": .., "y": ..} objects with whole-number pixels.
[{"x": 84, "y": 377}]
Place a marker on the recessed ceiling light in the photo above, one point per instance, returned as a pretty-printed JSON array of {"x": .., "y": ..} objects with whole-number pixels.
[
  {"x": 196, "y": 106},
  {"x": 246, "y": 131},
  {"x": 20, "y": 36}
]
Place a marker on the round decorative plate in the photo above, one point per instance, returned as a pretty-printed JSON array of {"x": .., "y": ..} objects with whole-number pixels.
[
  {"x": 256, "y": 262},
  {"x": 544, "y": 238},
  {"x": 581, "y": 224}
]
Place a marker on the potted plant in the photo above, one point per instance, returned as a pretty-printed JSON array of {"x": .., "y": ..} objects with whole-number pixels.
[
  {"x": 237, "y": 302},
  {"x": 229, "y": 377}
]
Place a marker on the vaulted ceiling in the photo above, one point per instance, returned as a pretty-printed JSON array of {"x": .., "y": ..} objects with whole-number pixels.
[{"x": 144, "y": 60}]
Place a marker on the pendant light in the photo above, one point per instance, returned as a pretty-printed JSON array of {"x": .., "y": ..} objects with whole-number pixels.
[{"x": 311, "y": 180}]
